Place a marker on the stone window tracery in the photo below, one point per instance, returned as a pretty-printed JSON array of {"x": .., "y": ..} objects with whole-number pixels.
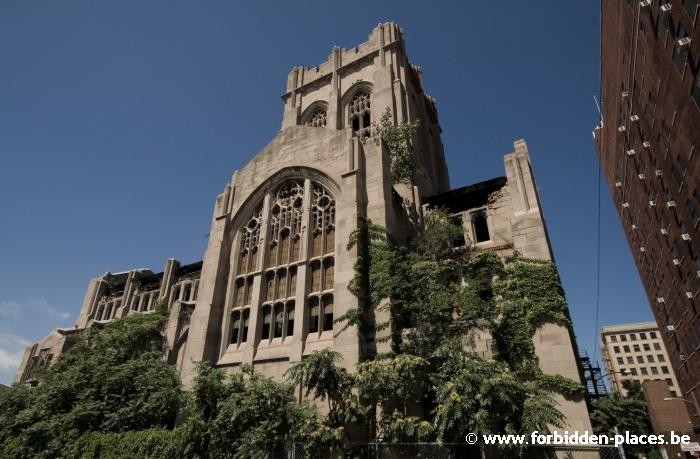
[
  {"x": 360, "y": 114},
  {"x": 318, "y": 118},
  {"x": 285, "y": 224},
  {"x": 250, "y": 239},
  {"x": 299, "y": 239},
  {"x": 322, "y": 222}
]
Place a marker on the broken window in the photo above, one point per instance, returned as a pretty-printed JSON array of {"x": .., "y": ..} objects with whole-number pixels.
[{"x": 480, "y": 227}]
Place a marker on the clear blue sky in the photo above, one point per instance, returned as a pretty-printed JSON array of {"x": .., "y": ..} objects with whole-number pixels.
[{"x": 121, "y": 121}]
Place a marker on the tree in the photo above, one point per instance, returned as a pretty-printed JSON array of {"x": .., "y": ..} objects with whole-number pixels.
[
  {"x": 628, "y": 413},
  {"x": 112, "y": 395},
  {"x": 397, "y": 138},
  {"x": 431, "y": 386},
  {"x": 320, "y": 375},
  {"x": 112, "y": 380}
]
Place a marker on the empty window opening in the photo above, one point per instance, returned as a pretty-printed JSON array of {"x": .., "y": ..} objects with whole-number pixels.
[{"x": 481, "y": 227}]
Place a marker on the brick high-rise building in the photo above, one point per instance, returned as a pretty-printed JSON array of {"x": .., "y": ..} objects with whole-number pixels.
[{"x": 648, "y": 143}]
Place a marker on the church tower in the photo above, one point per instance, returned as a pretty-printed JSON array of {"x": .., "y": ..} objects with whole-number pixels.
[{"x": 276, "y": 269}]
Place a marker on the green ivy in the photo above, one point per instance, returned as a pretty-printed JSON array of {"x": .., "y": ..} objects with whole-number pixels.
[
  {"x": 439, "y": 298},
  {"x": 397, "y": 139}
]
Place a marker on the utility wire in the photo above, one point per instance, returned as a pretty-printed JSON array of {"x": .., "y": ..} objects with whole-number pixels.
[{"x": 597, "y": 267}]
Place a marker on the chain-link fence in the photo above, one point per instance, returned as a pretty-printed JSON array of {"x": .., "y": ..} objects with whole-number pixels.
[{"x": 454, "y": 451}]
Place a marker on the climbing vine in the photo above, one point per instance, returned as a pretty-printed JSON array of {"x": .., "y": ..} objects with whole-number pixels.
[
  {"x": 442, "y": 301},
  {"x": 397, "y": 139}
]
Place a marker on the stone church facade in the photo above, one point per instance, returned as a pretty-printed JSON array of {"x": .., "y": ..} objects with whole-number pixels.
[{"x": 276, "y": 269}]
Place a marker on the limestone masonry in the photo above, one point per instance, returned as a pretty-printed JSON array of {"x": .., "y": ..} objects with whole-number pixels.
[{"x": 276, "y": 268}]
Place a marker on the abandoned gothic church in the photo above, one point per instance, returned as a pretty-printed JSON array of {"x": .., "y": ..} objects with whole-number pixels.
[{"x": 276, "y": 269}]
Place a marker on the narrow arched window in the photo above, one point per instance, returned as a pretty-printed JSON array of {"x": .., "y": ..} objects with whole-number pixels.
[
  {"x": 248, "y": 246},
  {"x": 279, "y": 320},
  {"x": 316, "y": 276},
  {"x": 239, "y": 326},
  {"x": 328, "y": 274},
  {"x": 270, "y": 286},
  {"x": 235, "y": 327},
  {"x": 239, "y": 293},
  {"x": 327, "y": 312},
  {"x": 282, "y": 283},
  {"x": 290, "y": 318},
  {"x": 360, "y": 114},
  {"x": 314, "y": 312},
  {"x": 266, "y": 321},
  {"x": 249, "y": 290},
  {"x": 244, "y": 325},
  {"x": 323, "y": 222}
]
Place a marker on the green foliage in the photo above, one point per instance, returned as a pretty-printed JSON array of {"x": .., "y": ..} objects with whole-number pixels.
[
  {"x": 112, "y": 380},
  {"x": 150, "y": 443},
  {"x": 374, "y": 280},
  {"x": 320, "y": 374},
  {"x": 436, "y": 241},
  {"x": 430, "y": 386},
  {"x": 397, "y": 139},
  {"x": 485, "y": 396},
  {"x": 262, "y": 418},
  {"x": 112, "y": 395},
  {"x": 626, "y": 413}
]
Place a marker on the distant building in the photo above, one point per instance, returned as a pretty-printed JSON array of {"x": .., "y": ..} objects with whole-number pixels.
[
  {"x": 649, "y": 148},
  {"x": 636, "y": 352},
  {"x": 276, "y": 269}
]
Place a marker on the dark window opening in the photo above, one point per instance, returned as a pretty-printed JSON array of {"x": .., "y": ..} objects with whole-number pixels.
[
  {"x": 481, "y": 227},
  {"x": 279, "y": 321},
  {"x": 328, "y": 313},
  {"x": 244, "y": 329},
  {"x": 235, "y": 329},
  {"x": 313, "y": 315},
  {"x": 267, "y": 319},
  {"x": 290, "y": 319}
]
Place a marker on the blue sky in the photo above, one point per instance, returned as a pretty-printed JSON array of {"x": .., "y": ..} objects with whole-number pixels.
[{"x": 121, "y": 121}]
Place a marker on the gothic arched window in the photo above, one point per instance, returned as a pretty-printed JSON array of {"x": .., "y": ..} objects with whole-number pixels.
[
  {"x": 322, "y": 222},
  {"x": 359, "y": 113},
  {"x": 285, "y": 224},
  {"x": 299, "y": 237},
  {"x": 250, "y": 238},
  {"x": 318, "y": 118}
]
